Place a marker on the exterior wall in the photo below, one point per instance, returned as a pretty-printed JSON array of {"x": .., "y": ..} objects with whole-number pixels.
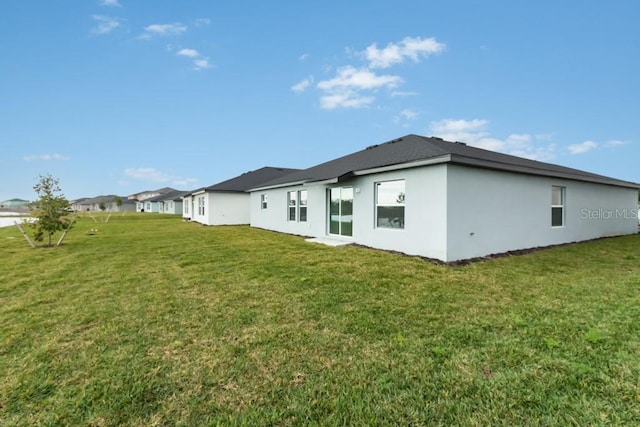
[
  {"x": 227, "y": 208},
  {"x": 275, "y": 216},
  {"x": 187, "y": 203},
  {"x": 195, "y": 213},
  {"x": 493, "y": 212},
  {"x": 424, "y": 231},
  {"x": 219, "y": 208},
  {"x": 425, "y": 212},
  {"x": 152, "y": 207},
  {"x": 173, "y": 207}
]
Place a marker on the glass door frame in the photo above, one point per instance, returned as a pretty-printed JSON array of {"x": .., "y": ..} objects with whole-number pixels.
[{"x": 340, "y": 215}]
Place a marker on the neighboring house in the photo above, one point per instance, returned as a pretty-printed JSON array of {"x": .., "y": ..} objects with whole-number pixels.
[
  {"x": 227, "y": 203},
  {"x": 141, "y": 199},
  {"x": 148, "y": 206},
  {"x": 109, "y": 203},
  {"x": 449, "y": 201},
  {"x": 14, "y": 203},
  {"x": 147, "y": 194},
  {"x": 169, "y": 203},
  {"x": 79, "y": 205}
]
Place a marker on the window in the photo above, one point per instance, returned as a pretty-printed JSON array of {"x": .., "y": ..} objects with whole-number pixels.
[
  {"x": 390, "y": 204},
  {"x": 263, "y": 201},
  {"x": 186, "y": 206},
  {"x": 302, "y": 205},
  {"x": 292, "y": 202},
  {"x": 200, "y": 205},
  {"x": 557, "y": 206},
  {"x": 297, "y": 205}
]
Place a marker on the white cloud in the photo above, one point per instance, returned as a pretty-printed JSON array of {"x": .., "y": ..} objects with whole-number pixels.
[
  {"x": 589, "y": 145},
  {"x": 451, "y": 126},
  {"x": 114, "y": 3},
  {"x": 615, "y": 143},
  {"x": 45, "y": 157},
  {"x": 399, "y": 93},
  {"x": 304, "y": 56},
  {"x": 357, "y": 86},
  {"x": 302, "y": 85},
  {"x": 155, "y": 176},
  {"x": 405, "y": 116},
  {"x": 583, "y": 147},
  {"x": 345, "y": 89},
  {"x": 413, "y": 48},
  {"x": 201, "y": 64},
  {"x": 190, "y": 53},
  {"x": 184, "y": 182},
  {"x": 408, "y": 114},
  {"x": 345, "y": 99},
  {"x": 174, "y": 29},
  {"x": 354, "y": 78},
  {"x": 474, "y": 132},
  {"x": 105, "y": 24}
]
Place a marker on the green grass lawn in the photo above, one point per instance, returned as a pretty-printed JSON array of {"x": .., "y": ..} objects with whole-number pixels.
[{"x": 152, "y": 321}]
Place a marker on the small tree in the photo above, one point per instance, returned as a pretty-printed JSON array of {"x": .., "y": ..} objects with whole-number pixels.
[
  {"x": 102, "y": 206},
  {"x": 50, "y": 209},
  {"x": 118, "y": 201}
]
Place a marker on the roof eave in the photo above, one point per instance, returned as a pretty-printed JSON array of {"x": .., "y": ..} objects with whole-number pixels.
[
  {"x": 399, "y": 166},
  {"x": 487, "y": 164},
  {"x": 271, "y": 187}
]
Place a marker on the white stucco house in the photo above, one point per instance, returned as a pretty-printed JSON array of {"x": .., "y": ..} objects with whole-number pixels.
[
  {"x": 109, "y": 203},
  {"x": 168, "y": 203},
  {"x": 143, "y": 199},
  {"x": 444, "y": 200},
  {"x": 227, "y": 202}
]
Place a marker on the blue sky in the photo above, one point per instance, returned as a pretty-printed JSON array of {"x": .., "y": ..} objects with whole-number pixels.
[{"x": 120, "y": 96}]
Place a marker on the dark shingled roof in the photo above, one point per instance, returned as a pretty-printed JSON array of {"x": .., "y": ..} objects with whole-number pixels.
[
  {"x": 248, "y": 180},
  {"x": 415, "y": 150},
  {"x": 175, "y": 195}
]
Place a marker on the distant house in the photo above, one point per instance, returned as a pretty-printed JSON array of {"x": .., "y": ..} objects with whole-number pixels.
[
  {"x": 142, "y": 199},
  {"x": 227, "y": 203},
  {"x": 109, "y": 203},
  {"x": 449, "y": 201},
  {"x": 79, "y": 205},
  {"x": 169, "y": 203},
  {"x": 14, "y": 203}
]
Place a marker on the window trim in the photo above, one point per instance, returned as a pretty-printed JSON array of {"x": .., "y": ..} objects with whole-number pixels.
[
  {"x": 264, "y": 202},
  {"x": 560, "y": 206},
  {"x": 295, "y": 206},
  {"x": 301, "y": 206},
  {"x": 292, "y": 196}
]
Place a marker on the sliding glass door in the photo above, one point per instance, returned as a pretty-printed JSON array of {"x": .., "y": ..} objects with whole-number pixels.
[{"x": 341, "y": 211}]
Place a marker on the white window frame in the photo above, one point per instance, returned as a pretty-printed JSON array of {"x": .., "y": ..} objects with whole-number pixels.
[
  {"x": 377, "y": 204},
  {"x": 292, "y": 197},
  {"x": 301, "y": 206},
  {"x": 295, "y": 206},
  {"x": 264, "y": 203},
  {"x": 561, "y": 205}
]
